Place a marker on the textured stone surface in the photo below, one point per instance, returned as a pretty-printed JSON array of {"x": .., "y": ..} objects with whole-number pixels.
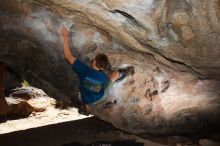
[{"x": 173, "y": 45}]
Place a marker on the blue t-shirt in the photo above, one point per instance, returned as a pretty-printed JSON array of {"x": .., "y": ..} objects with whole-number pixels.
[{"x": 91, "y": 82}]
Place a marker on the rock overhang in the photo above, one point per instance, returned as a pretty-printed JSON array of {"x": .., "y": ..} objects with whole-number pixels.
[{"x": 161, "y": 45}]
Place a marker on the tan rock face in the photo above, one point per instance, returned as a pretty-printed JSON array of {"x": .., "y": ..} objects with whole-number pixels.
[{"x": 173, "y": 45}]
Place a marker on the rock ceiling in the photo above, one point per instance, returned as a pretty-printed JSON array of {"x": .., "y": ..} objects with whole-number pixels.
[{"x": 173, "y": 45}]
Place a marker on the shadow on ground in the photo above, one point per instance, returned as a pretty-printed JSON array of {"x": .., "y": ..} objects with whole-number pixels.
[{"x": 81, "y": 132}]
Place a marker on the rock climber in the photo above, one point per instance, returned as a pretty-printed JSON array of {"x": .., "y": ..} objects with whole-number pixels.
[{"x": 94, "y": 82}]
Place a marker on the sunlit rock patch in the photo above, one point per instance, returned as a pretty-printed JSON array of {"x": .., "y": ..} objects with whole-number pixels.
[{"x": 38, "y": 108}]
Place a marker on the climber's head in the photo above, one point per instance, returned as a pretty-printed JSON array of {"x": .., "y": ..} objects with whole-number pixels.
[{"x": 101, "y": 62}]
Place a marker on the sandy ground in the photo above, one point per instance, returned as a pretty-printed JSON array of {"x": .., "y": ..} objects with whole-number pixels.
[{"x": 51, "y": 115}]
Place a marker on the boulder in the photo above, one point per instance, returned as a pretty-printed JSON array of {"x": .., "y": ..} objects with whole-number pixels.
[{"x": 173, "y": 46}]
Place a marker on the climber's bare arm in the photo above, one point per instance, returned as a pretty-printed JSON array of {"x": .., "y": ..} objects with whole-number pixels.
[
  {"x": 67, "y": 52},
  {"x": 114, "y": 76}
]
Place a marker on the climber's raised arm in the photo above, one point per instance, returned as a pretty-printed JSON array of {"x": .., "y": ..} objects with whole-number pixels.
[{"x": 67, "y": 52}]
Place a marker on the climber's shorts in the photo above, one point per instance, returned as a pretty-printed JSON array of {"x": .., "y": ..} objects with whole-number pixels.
[
  {"x": 107, "y": 89},
  {"x": 106, "y": 93}
]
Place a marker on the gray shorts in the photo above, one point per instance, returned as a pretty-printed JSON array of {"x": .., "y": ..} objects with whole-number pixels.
[{"x": 103, "y": 103}]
